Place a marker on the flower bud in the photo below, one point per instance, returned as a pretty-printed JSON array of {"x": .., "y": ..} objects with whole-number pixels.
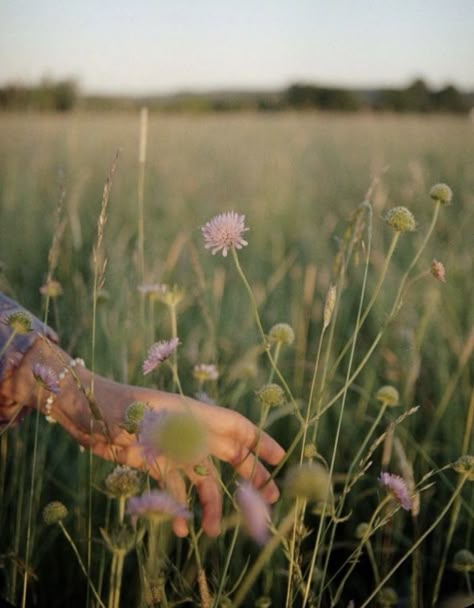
[
  {"x": 362, "y": 530},
  {"x": 271, "y": 395},
  {"x": 282, "y": 333},
  {"x": 438, "y": 271},
  {"x": 134, "y": 416},
  {"x": 54, "y": 512},
  {"x": 400, "y": 219},
  {"x": 387, "y": 395},
  {"x": 441, "y": 193},
  {"x": 463, "y": 561},
  {"x": 465, "y": 465},
  {"x": 387, "y": 597},
  {"x": 123, "y": 482}
]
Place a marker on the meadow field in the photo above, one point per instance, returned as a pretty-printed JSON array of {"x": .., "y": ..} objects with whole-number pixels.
[{"x": 315, "y": 190}]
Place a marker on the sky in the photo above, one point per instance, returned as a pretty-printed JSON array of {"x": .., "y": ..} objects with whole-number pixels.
[{"x": 158, "y": 46}]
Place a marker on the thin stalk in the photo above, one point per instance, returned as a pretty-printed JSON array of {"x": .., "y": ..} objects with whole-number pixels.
[
  {"x": 141, "y": 190},
  {"x": 30, "y": 503},
  {"x": 81, "y": 565},
  {"x": 341, "y": 413},
  {"x": 262, "y": 559},
  {"x": 446, "y": 509},
  {"x": 226, "y": 565},
  {"x": 262, "y": 332}
]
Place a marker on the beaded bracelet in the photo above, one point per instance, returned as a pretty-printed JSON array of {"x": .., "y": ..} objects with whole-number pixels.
[{"x": 62, "y": 374}]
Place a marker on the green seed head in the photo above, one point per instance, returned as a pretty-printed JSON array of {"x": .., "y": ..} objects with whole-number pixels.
[
  {"x": 263, "y": 602},
  {"x": 310, "y": 481},
  {"x": 282, "y": 333},
  {"x": 182, "y": 438},
  {"x": 271, "y": 395},
  {"x": 387, "y": 395},
  {"x": 387, "y": 597},
  {"x": 465, "y": 465},
  {"x": 464, "y": 561},
  {"x": 123, "y": 482},
  {"x": 310, "y": 450},
  {"x": 133, "y": 416},
  {"x": 362, "y": 530},
  {"x": 441, "y": 193},
  {"x": 54, "y": 512},
  {"x": 19, "y": 322},
  {"x": 400, "y": 219}
]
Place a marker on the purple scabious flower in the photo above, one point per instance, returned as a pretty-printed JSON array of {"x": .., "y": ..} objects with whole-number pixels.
[
  {"x": 223, "y": 232},
  {"x": 255, "y": 512},
  {"x": 397, "y": 486},
  {"x": 157, "y": 505},
  {"x": 159, "y": 352},
  {"x": 45, "y": 377},
  {"x": 149, "y": 433}
]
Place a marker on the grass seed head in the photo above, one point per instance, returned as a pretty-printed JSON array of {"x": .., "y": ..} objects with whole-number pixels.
[
  {"x": 441, "y": 193},
  {"x": 400, "y": 219},
  {"x": 54, "y": 512}
]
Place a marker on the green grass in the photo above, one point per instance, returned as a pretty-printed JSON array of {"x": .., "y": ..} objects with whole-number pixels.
[{"x": 299, "y": 180}]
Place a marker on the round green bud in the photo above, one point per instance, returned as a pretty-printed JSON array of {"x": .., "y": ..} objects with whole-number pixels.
[
  {"x": 134, "y": 416},
  {"x": 464, "y": 561},
  {"x": 54, "y": 512},
  {"x": 441, "y": 193},
  {"x": 362, "y": 530},
  {"x": 310, "y": 450},
  {"x": 465, "y": 465},
  {"x": 309, "y": 480},
  {"x": 19, "y": 322},
  {"x": 123, "y": 482},
  {"x": 387, "y": 597},
  {"x": 282, "y": 333},
  {"x": 400, "y": 219},
  {"x": 271, "y": 395},
  {"x": 263, "y": 602},
  {"x": 387, "y": 395}
]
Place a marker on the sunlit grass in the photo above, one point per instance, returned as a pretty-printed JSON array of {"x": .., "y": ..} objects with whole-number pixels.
[{"x": 300, "y": 180}]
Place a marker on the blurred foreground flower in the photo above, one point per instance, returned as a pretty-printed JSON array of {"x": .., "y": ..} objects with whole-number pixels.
[
  {"x": 159, "y": 352},
  {"x": 45, "y": 377},
  {"x": 181, "y": 437},
  {"x": 388, "y": 396},
  {"x": 397, "y": 486},
  {"x": 156, "y": 505},
  {"x": 205, "y": 371},
  {"x": 310, "y": 481},
  {"x": 255, "y": 512},
  {"x": 51, "y": 289},
  {"x": 282, "y": 333},
  {"x": 223, "y": 232}
]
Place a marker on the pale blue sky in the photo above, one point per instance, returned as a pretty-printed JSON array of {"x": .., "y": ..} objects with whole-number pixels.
[{"x": 142, "y": 46}]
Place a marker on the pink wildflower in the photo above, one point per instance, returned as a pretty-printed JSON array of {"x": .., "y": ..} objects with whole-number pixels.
[
  {"x": 224, "y": 231},
  {"x": 255, "y": 512},
  {"x": 438, "y": 271},
  {"x": 159, "y": 352},
  {"x": 156, "y": 504},
  {"x": 397, "y": 486},
  {"x": 45, "y": 377}
]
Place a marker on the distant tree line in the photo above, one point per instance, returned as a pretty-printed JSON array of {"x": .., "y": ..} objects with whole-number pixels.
[
  {"x": 60, "y": 96},
  {"x": 65, "y": 95}
]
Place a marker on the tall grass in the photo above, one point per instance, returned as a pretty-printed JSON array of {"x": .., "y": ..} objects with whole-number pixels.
[{"x": 300, "y": 180}]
